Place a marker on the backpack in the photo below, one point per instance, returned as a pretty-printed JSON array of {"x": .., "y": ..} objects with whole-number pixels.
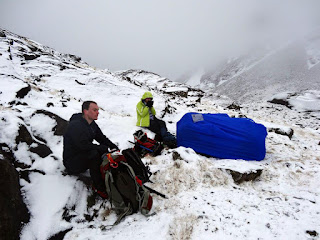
[
  {"x": 142, "y": 172},
  {"x": 144, "y": 145},
  {"x": 126, "y": 193}
]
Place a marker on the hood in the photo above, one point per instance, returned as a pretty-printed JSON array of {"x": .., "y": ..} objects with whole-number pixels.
[
  {"x": 76, "y": 116},
  {"x": 147, "y": 95}
]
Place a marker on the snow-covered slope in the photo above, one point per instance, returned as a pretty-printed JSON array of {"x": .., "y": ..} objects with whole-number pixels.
[
  {"x": 284, "y": 70},
  {"x": 292, "y": 68},
  {"x": 206, "y": 199}
]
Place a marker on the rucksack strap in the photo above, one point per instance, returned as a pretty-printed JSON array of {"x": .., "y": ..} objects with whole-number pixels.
[{"x": 127, "y": 212}]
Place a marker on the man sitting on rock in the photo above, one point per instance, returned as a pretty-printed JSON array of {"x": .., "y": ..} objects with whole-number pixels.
[
  {"x": 146, "y": 118},
  {"x": 79, "y": 153}
]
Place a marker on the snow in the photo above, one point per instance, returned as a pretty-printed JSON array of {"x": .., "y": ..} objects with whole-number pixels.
[
  {"x": 303, "y": 101},
  {"x": 176, "y": 89},
  {"x": 44, "y": 203},
  {"x": 203, "y": 201}
]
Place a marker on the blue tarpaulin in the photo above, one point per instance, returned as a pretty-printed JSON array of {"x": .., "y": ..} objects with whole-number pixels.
[{"x": 220, "y": 136}]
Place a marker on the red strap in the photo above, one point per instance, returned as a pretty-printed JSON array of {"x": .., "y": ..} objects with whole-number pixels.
[
  {"x": 138, "y": 181},
  {"x": 102, "y": 171}
]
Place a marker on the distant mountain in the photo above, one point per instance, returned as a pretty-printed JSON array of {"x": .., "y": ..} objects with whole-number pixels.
[{"x": 261, "y": 74}]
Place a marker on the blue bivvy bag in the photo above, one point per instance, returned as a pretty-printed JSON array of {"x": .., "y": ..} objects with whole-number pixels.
[{"x": 220, "y": 136}]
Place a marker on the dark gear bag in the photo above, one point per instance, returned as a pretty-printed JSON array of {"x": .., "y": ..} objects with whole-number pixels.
[
  {"x": 144, "y": 145},
  {"x": 142, "y": 171},
  {"x": 126, "y": 193}
]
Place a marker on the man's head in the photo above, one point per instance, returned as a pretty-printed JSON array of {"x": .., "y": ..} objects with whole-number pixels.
[{"x": 90, "y": 111}]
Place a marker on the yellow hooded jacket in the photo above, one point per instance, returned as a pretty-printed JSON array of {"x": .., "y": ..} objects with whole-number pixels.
[{"x": 143, "y": 117}]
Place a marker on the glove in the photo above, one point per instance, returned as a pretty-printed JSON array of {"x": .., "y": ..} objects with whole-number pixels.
[
  {"x": 113, "y": 148},
  {"x": 150, "y": 104},
  {"x": 102, "y": 149}
]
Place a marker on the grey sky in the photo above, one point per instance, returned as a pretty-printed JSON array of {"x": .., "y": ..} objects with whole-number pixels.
[{"x": 168, "y": 37}]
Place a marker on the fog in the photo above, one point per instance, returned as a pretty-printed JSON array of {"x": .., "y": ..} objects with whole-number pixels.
[{"x": 168, "y": 37}]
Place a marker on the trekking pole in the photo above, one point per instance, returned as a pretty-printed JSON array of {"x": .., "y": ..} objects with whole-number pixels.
[
  {"x": 148, "y": 149},
  {"x": 155, "y": 192}
]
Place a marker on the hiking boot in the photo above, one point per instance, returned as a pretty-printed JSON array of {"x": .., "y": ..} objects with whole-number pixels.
[
  {"x": 170, "y": 144},
  {"x": 104, "y": 195}
]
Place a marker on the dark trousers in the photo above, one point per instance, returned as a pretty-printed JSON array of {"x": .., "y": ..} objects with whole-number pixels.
[
  {"x": 158, "y": 127},
  {"x": 82, "y": 162}
]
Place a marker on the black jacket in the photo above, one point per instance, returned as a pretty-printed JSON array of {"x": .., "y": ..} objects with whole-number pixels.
[{"x": 79, "y": 136}]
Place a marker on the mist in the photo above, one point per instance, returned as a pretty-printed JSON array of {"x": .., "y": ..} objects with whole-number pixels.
[{"x": 164, "y": 37}]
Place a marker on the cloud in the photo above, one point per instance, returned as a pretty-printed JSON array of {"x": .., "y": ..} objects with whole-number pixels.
[{"x": 167, "y": 37}]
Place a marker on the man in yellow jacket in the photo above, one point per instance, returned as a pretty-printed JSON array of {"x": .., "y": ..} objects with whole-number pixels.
[{"x": 146, "y": 117}]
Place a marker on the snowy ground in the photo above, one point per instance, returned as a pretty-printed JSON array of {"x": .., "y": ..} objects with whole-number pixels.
[{"x": 203, "y": 201}]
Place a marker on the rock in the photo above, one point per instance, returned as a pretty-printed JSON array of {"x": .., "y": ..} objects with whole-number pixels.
[
  {"x": 312, "y": 233},
  {"x": 240, "y": 177},
  {"x": 42, "y": 150},
  {"x": 23, "y": 92},
  {"x": 281, "y": 102},
  {"x": 13, "y": 211},
  {"x": 176, "y": 156},
  {"x": 177, "y": 92},
  {"x": 234, "y": 106},
  {"x": 62, "y": 67},
  {"x": 2, "y": 34},
  {"x": 61, "y": 126},
  {"x": 6, "y": 153},
  {"x": 44, "y": 75},
  {"x": 242, "y": 116},
  {"x": 34, "y": 49},
  {"x": 18, "y": 103},
  {"x": 80, "y": 83},
  {"x": 30, "y": 56},
  {"x": 168, "y": 109},
  {"x": 60, "y": 235},
  {"x": 75, "y": 58},
  {"x": 286, "y": 132},
  {"x": 24, "y": 136},
  {"x": 68, "y": 214},
  {"x": 24, "y": 174}
]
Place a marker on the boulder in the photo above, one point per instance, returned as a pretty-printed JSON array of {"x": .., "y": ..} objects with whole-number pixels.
[
  {"x": 23, "y": 92},
  {"x": 240, "y": 177},
  {"x": 30, "y": 56},
  {"x": 13, "y": 211},
  {"x": 283, "y": 102},
  {"x": 24, "y": 136},
  {"x": 62, "y": 124},
  {"x": 282, "y": 131}
]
